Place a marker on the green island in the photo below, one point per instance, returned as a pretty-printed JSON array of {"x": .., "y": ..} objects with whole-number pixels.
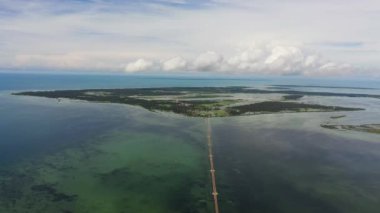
[
  {"x": 370, "y": 128},
  {"x": 202, "y": 101}
]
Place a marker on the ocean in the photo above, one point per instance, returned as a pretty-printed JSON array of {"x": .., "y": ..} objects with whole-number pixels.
[{"x": 76, "y": 156}]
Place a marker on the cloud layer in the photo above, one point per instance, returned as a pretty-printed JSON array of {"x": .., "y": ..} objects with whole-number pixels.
[
  {"x": 174, "y": 64},
  {"x": 179, "y": 35},
  {"x": 256, "y": 58}
]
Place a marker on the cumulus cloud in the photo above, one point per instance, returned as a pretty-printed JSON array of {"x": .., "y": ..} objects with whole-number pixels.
[
  {"x": 272, "y": 59},
  {"x": 139, "y": 65},
  {"x": 280, "y": 59},
  {"x": 174, "y": 64},
  {"x": 208, "y": 61},
  {"x": 257, "y": 58}
]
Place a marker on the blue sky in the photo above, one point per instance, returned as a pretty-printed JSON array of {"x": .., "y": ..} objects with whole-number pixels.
[{"x": 275, "y": 37}]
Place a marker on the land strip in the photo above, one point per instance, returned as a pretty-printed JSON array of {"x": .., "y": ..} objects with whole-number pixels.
[
  {"x": 212, "y": 168},
  {"x": 206, "y": 102}
]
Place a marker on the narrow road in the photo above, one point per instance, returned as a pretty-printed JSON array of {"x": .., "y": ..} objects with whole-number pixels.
[{"x": 212, "y": 169}]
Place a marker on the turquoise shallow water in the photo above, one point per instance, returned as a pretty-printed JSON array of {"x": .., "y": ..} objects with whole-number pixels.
[
  {"x": 70, "y": 155},
  {"x": 73, "y": 156}
]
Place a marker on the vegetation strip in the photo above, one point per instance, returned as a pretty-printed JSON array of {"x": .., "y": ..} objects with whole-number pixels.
[
  {"x": 167, "y": 91},
  {"x": 212, "y": 168},
  {"x": 172, "y": 100}
]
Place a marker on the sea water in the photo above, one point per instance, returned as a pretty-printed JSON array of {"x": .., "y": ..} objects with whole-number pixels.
[{"x": 75, "y": 156}]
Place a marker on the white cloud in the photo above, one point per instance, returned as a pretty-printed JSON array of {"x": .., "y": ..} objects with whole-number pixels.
[
  {"x": 266, "y": 58},
  {"x": 174, "y": 64},
  {"x": 263, "y": 58},
  {"x": 281, "y": 59},
  {"x": 63, "y": 35},
  {"x": 331, "y": 68},
  {"x": 208, "y": 61},
  {"x": 139, "y": 65}
]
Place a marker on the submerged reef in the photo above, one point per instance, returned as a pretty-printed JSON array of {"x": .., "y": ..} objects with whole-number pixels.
[{"x": 370, "y": 128}]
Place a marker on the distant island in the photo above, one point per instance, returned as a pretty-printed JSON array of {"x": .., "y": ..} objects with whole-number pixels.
[{"x": 199, "y": 101}]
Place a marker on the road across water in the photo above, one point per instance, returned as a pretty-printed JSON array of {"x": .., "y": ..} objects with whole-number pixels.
[{"x": 212, "y": 168}]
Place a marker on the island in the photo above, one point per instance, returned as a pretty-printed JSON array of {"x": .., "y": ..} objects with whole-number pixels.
[{"x": 201, "y": 101}]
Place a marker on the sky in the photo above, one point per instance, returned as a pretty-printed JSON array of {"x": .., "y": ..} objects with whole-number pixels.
[{"x": 258, "y": 37}]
